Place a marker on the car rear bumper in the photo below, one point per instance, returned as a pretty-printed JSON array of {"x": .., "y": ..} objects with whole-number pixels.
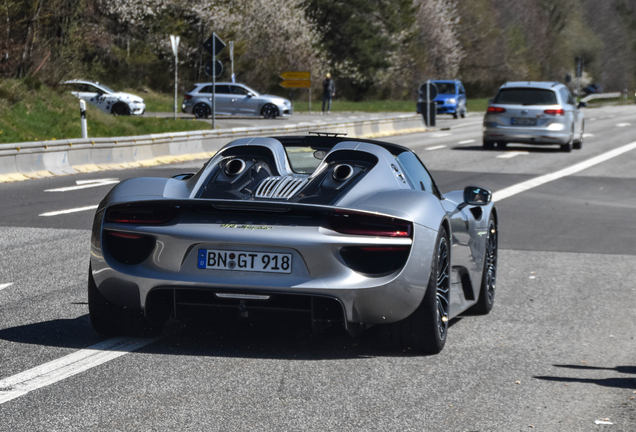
[{"x": 525, "y": 135}]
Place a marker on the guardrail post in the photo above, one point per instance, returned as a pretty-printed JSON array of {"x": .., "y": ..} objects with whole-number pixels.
[{"x": 83, "y": 118}]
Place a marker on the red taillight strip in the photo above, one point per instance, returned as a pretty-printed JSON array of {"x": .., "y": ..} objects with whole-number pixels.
[
  {"x": 369, "y": 225},
  {"x": 124, "y": 235},
  {"x": 496, "y": 110},
  {"x": 554, "y": 112},
  {"x": 142, "y": 216}
]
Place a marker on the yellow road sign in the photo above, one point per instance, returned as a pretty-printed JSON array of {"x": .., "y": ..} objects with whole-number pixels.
[
  {"x": 295, "y": 75},
  {"x": 296, "y": 84}
]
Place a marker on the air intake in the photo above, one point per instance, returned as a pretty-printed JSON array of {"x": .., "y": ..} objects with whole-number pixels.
[
  {"x": 234, "y": 167},
  {"x": 280, "y": 187}
]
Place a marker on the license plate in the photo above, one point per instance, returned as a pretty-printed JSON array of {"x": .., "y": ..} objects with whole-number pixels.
[
  {"x": 244, "y": 261},
  {"x": 523, "y": 122}
]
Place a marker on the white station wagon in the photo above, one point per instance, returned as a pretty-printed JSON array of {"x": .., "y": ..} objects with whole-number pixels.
[{"x": 106, "y": 99}]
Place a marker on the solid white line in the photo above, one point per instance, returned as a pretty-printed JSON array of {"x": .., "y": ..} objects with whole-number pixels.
[
  {"x": 538, "y": 181},
  {"x": 73, "y": 210},
  {"x": 84, "y": 185},
  {"x": 5, "y": 285},
  {"x": 509, "y": 155},
  {"x": 435, "y": 147},
  {"x": 72, "y": 364},
  {"x": 466, "y": 142}
]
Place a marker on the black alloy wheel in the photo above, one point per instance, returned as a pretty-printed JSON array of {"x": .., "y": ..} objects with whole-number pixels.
[
  {"x": 489, "y": 277},
  {"x": 443, "y": 287},
  {"x": 269, "y": 111},
  {"x": 201, "y": 111}
]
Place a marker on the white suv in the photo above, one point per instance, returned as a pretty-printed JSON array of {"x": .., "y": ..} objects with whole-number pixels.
[{"x": 534, "y": 113}]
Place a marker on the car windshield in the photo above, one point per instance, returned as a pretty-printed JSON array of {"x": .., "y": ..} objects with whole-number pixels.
[
  {"x": 525, "y": 96},
  {"x": 445, "y": 88},
  {"x": 305, "y": 159},
  {"x": 105, "y": 89}
]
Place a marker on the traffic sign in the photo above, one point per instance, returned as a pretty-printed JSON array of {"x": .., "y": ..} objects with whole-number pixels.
[
  {"x": 218, "y": 45},
  {"x": 296, "y": 84},
  {"x": 296, "y": 75},
  {"x": 431, "y": 92},
  {"x": 213, "y": 67}
]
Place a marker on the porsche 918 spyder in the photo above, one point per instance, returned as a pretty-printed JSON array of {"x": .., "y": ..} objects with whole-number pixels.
[{"x": 348, "y": 231}]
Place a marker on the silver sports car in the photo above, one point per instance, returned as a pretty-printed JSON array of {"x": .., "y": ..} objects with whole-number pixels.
[{"x": 348, "y": 231}]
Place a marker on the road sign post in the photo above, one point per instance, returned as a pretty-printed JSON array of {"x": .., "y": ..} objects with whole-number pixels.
[
  {"x": 174, "y": 40},
  {"x": 214, "y": 45},
  {"x": 297, "y": 80}
]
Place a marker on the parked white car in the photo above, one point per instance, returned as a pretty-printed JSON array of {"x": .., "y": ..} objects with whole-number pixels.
[{"x": 106, "y": 99}]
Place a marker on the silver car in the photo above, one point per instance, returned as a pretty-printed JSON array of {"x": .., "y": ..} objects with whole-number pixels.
[
  {"x": 344, "y": 231},
  {"x": 534, "y": 113},
  {"x": 234, "y": 99}
]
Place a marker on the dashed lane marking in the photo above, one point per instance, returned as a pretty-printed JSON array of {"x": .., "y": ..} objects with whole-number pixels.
[
  {"x": 435, "y": 147},
  {"x": 85, "y": 184},
  {"x": 65, "y": 367},
  {"x": 623, "y": 124},
  {"x": 587, "y": 135},
  {"x": 73, "y": 210},
  {"x": 538, "y": 181},
  {"x": 466, "y": 142},
  {"x": 512, "y": 154},
  {"x": 441, "y": 134},
  {"x": 5, "y": 285}
]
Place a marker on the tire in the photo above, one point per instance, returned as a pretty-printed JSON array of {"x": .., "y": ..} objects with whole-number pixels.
[
  {"x": 502, "y": 145},
  {"x": 120, "y": 109},
  {"x": 567, "y": 147},
  {"x": 463, "y": 114},
  {"x": 269, "y": 111},
  {"x": 456, "y": 115},
  {"x": 425, "y": 330},
  {"x": 112, "y": 320},
  {"x": 486, "y": 298},
  {"x": 488, "y": 145},
  {"x": 201, "y": 111},
  {"x": 578, "y": 144}
]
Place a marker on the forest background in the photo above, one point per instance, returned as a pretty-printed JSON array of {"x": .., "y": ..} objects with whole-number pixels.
[{"x": 375, "y": 49}]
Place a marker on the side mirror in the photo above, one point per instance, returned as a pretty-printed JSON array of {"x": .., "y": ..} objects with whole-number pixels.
[
  {"x": 489, "y": 101},
  {"x": 250, "y": 94},
  {"x": 582, "y": 105},
  {"x": 474, "y": 195}
]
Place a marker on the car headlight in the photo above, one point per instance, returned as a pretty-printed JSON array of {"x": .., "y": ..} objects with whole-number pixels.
[{"x": 451, "y": 100}]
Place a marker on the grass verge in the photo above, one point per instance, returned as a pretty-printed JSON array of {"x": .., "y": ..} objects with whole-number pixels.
[{"x": 478, "y": 105}]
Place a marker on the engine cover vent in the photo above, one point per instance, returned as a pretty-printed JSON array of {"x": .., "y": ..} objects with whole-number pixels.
[{"x": 280, "y": 187}]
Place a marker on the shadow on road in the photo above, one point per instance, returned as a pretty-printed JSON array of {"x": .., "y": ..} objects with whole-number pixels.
[
  {"x": 279, "y": 338},
  {"x": 513, "y": 147},
  {"x": 623, "y": 383}
]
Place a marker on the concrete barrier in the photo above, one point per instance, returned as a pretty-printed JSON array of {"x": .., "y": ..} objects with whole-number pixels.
[{"x": 22, "y": 161}]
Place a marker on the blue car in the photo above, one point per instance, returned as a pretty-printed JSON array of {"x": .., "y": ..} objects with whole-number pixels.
[{"x": 451, "y": 98}]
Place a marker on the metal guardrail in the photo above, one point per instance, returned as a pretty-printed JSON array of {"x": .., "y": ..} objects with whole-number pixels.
[{"x": 593, "y": 96}]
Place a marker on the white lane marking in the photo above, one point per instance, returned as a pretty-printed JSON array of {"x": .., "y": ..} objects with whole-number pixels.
[
  {"x": 623, "y": 124},
  {"x": 85, "y": 184},
  {"x": 73, "y": 210},
  {"x": 467, "y": 124},
  {"x": 538, "y": 181},
  {"x": 5, "y": 285},
  {"x": 466, "y": 142},
  {"x": 512, "y": 154},
  {"x": 65, "y": 367},
  {"x": 441, "y": 134},
  {"x": 587, "y": 135},
  {"x": 435, "y": 147},
  {"x": 592, "y": 119}
]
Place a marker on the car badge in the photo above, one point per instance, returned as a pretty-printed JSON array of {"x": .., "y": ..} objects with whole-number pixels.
[
  {"x": 246, "y": 227},
  {"x": 482, "y": 233},
  {"x": 524, "y": 111}
]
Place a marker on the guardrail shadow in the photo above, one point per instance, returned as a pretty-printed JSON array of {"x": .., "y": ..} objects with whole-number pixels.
[
  {"x": 280, "y": 338},
  {"x": 622, "y": 383}
]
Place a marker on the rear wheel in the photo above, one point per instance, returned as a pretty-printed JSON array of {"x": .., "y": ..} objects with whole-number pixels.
[
  {"x": 201, "y": 111},
  {"x": 489, "y": 276},
  {"x": 578, "y": 144},
  {"x": 456, "y": 114},
  {"x": 269, "y": 111},
  {"x": 111, "y": 320},
  {"x": 567, "y": 147},
  {"x": 426, "y": 329},
  {"x": 488, "y": 145},
  {"x": 502, "y": 145}
]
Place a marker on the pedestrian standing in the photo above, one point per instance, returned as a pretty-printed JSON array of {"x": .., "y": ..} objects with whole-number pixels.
[{"x": 328, "y": 91}]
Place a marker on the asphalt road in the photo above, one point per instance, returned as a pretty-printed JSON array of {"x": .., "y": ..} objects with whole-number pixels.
[{"x": 557, "y": 353}]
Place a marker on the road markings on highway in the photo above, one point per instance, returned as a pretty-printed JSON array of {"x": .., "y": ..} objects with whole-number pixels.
[
  {"x": 466, "y": 142},
  {"x": 587, "y": 135},
  {"x": 467, "y": 124},
  {"x": 435, "y": 147},
  {"x": 623, "y": 124},
  {"x": 73, "y": 210},
  {"x": 5, "y": 285},
  {"x": 441, "y": 134},
  {"x": 85, "y": 184},
  {"x": 65, "y": 367},
  {"x": 538, "y": 181},
  {"x": 512, "y": 154}
]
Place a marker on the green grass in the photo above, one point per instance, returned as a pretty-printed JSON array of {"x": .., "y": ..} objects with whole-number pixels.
[
  {"x": 377, "y": 106},
  {"x": 41, "y": 114}
]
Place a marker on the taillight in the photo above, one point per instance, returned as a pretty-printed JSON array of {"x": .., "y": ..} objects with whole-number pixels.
[
  {"x": 554, "y": 112},
  {"x": 375, "y": 261},
  {"x": 369, "y": 225},
  {"x": 496, "y": 110},
  {"x": 186, "y": 97},
  {"x": 141, "y": 215}
]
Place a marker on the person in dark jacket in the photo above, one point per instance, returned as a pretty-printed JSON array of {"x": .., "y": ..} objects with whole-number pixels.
[{"x": 328, "y": 91}]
